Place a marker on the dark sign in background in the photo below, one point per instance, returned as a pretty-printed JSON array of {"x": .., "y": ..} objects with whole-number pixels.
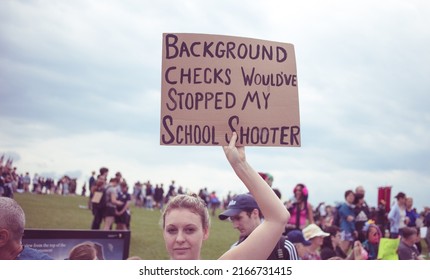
[{"x": 111, "y": 245}]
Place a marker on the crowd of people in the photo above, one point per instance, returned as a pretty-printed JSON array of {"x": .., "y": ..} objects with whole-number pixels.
[
  {"x": 353, "y": 226},
  {"x": 354, "y": 223},
  {"x": 349, "y": 230}
]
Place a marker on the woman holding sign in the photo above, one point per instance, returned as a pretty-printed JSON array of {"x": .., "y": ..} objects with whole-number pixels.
[{"x": 185, "y": 220}]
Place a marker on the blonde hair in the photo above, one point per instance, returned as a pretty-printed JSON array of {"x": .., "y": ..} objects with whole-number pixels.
[
  {"x": 83, "y": 251},
  {"x": 190, "y": 202}
]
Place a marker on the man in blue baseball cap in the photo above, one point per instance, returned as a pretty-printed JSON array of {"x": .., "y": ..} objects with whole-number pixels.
[
  {"x": 246, "y": 216},
  {"x": 300, "y": 243}
]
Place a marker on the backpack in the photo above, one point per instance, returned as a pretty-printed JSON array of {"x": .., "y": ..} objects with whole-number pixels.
[{"x": 99, "y": 198}]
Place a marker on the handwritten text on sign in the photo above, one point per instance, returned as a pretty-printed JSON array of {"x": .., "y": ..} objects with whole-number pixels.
[{"x": 213, "y": 85}]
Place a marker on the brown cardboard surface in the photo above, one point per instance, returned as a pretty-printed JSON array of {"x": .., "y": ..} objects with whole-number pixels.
[{"x": 207, "y": 91}]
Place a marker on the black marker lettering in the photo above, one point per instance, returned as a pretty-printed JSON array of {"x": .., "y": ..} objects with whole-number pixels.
[
  {"x": 171, "y": 41},
  {"x": 166, "y": 120},
  {"x": 166, "y": 75},
  {"x": 169, "y": 94}
]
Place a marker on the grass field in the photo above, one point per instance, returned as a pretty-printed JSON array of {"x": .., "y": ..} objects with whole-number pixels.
[{"x": 66, "y": 212}]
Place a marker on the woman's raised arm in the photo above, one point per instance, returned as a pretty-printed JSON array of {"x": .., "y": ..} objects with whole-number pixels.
[{"x": 263, "y": 239}]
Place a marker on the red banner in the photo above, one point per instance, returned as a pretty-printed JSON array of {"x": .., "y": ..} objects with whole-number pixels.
[{"x": 384, "y": 197}]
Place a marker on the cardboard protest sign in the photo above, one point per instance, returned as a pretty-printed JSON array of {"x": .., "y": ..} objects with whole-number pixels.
[{"x": 213, "y": 85}]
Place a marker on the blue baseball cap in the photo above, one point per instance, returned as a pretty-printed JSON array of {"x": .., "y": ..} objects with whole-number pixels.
[
  {"x": 239, "y": 203},
  {"x": 296, "y": 236}
]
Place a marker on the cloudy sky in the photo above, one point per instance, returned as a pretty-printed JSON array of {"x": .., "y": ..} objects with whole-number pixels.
[{"x": 80, "y": 88}]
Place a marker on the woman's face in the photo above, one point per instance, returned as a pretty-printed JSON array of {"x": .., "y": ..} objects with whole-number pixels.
[
  {"x": 184, "y": 234},
  {"x": 298, "y": 193},
  {"x": 374, "y": 236}
]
